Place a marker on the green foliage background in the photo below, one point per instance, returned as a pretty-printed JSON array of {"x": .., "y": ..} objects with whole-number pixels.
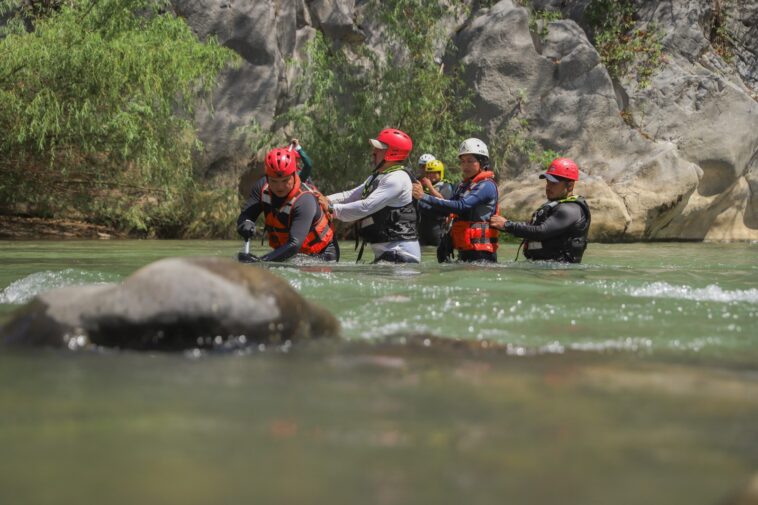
[
  {"x": 625, "y": 48},
  {"x": 96, "y": 101},
  {"x": 352, "y": 96},
  {"x": 95, "y": 114}
]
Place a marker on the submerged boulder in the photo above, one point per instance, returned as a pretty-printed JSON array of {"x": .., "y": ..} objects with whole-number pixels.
[{"x": 172, "y": 304}]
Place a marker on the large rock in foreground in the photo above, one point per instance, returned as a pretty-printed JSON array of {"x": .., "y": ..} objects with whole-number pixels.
[{"x": 172, "y": 304}]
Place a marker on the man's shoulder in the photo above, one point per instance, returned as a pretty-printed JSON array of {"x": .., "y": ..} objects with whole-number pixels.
[
  {"x": 571, "y": 208},
  {"x": 398, "y": 176},
  {"x": 306, "y": 203}
]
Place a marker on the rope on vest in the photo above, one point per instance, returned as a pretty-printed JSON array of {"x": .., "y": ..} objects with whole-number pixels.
[{"x": 519, "y": 249}]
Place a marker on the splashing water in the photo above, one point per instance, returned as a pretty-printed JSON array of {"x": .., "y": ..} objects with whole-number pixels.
[
  {"x": 26, "y": 288},
  {"x": 710, "y": 293}
]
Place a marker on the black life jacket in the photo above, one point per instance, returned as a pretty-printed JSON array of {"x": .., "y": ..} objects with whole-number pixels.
[
  {"x": 568, "y": 247},
  {"x": 388, "y": 224}
]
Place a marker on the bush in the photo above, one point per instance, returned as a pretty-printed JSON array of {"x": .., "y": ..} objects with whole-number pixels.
[
  {"x": 624, "y": 48},
  {"x": 95, "y": 112},
  {"x": 352, "y": 95}
]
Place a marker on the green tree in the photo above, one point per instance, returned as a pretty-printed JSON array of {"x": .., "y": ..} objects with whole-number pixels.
[
  {"x": 625, "y": 48},
  {"x": 96, "y": 100},
  {"x": 352, "y": 94}
]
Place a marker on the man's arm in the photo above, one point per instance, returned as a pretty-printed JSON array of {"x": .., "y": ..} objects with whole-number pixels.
[
  {"x": 422, "y": 205},
  {"x": 351, "y": 195},
  {"x": 430, "y": 189},
  {"x": 302, "y": 216},
  {"x": 305, "y": 173},
  {"x": 252, "y": 207},
  {"x": 555, "y": 225},
  {"x": 482, "y": 193},
  {"x": 394, "y": 190}
]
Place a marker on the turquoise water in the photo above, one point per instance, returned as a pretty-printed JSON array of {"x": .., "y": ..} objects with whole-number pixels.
[{"x": 632, "y": 378}]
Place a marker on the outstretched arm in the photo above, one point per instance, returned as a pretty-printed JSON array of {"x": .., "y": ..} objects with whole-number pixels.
[
  {"x": 482, "y": 194},
  {"x": 307, "y": 170},
  {"x": 252, "y": 207},
  {"x": 553, "y": 226},
  {"x": 394, "y": 190}
]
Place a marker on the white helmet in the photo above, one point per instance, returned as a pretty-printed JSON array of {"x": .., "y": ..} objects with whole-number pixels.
[
  {"x": 473, "y": 146},
  {"x": 425, "y": 158}
]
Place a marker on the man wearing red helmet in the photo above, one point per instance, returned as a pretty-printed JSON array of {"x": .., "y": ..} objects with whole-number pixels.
[
  {"x": 295, "y": 222},
  {"x": 382, "y": 207},
  {"x": 558, "y": 230}
]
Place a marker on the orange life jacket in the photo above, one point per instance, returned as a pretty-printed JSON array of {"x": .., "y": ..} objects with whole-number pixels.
[
  {"x": 278, "y": 221},
  {"x": 475, "y": 235}
]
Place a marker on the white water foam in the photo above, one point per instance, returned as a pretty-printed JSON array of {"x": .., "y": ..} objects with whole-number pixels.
[
  {"x": 23, "y": 290},
  {"x": 710, "y": 293}
]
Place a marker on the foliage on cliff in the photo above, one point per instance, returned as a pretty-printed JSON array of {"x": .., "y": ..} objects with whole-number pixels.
[
  {"x": 352, "y": 94},
  {"x": 95, "y": 113},
  {"x": 626, "y": 47}
]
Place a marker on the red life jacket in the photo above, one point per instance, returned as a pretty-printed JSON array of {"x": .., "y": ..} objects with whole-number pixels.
[
  {"x": 475, "y": 235},
  {"x": 278, "y": 221}
]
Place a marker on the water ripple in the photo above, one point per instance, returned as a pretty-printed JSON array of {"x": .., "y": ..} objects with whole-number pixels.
[
  {"x": 710, "y": 293},
  {"x": 26, "y": 288}
]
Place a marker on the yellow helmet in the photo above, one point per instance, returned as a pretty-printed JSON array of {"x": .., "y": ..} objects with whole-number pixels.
[{"x": 435, "y": 166}]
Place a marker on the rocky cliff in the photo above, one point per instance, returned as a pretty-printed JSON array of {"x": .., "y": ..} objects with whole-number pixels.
[{"x": 672, "y": 158}]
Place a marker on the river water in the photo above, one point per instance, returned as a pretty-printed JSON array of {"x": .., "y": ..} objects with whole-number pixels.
[{"x": 632, "y": 378}]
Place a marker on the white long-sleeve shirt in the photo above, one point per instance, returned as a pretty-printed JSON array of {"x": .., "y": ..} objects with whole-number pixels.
[{"x": 394, "y": 190}]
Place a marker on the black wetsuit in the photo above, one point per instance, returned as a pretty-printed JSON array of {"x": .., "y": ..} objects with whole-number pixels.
[
  {"x": 558, "y": 231},
  {"x": 431, "y": 225}
]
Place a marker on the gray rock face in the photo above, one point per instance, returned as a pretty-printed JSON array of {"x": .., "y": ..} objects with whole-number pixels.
[
  {"x": 678, "y": 159},
  {"x": 264, "y": 35},
  {"x": 172, "y": 304},
  {"x": 681, "y": 169},
  {"x": 742, "y": 25}
]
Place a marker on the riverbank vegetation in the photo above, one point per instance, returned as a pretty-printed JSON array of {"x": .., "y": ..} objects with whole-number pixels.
[
  {"x": 351, "y": 93},
  {"x": 627, "y": 48},
  {"x": 96, "y": 106}
]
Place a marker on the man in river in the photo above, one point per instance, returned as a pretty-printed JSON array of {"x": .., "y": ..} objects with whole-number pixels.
[
  {"x": 558, "y": 229},
  {"x": 421, "y": 166},
  {"x": 431, "y": 225},
  {"x": 382, "y": 207},
  {"x": 295, "y": 222}
]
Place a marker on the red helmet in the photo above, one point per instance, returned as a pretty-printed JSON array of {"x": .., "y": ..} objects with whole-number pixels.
[
  {"x": 397, "y": 143},
  {"x": 280, "y": 163},
  {"x": 562, "y": 167}
]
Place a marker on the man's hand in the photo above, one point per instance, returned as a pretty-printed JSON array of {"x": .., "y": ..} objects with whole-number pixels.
[
  {"x": 418, "y": 191},
  {"x": 324, "y": 203},
  {"x": 425, "y": 182},
  {"x": 247, "y": 258},
  {"x": 498, "y": 222},
  {"x": 295, "y": 143},
  {"x": 246, "y": 229}
]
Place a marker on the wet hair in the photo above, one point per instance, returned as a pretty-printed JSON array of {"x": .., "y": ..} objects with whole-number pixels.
[{"x": 484, "y": 161}]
